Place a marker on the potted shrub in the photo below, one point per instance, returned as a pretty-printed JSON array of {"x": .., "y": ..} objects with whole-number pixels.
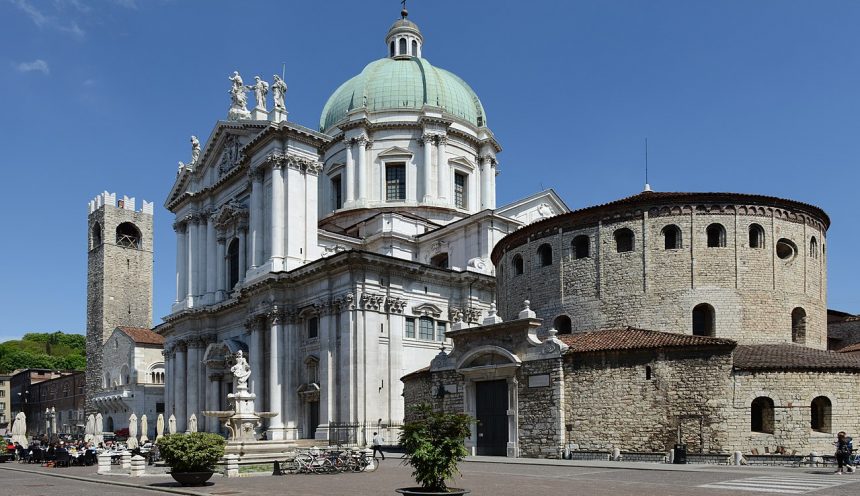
[
  {"x": 191, "y": 457},
  {"x": 433, "y": 442}
]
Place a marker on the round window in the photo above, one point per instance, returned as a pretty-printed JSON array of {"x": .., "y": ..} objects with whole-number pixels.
[{"x": 785, "y": 249}]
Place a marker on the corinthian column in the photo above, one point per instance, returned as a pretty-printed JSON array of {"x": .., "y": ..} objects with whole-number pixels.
[
  {"x": 192, "y": 377},
  {"x": 191, "y": 258},
  {"x": 277, "y": 231},
  {"x": 426, "y": 166},
  {"x": 242, "y": 240},
  {"x": 276, "y": 423},
  {"x": 210, "y": 263},
  {"x": 485, "y": 181},
  {"x": 350, "y": 173},
  {"x": 362, "y": 168},
  {"x": 221, "y": 268},
  {"x": 442, "y": 169},
  {"x": 255, "y": 354},
  {"x": 179, "y": 384},
  {"x": 256, "y": 219},
  {"x": 181, "y": 251}
]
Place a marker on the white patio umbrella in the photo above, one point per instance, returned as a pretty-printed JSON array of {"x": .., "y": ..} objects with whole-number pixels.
[
  {"x": 98, "y": 437},
  {"x": 132, "y": 432},
  {"x": 144, "y": 428},
  {"x": 159, "y": 427},
  {"x": 171, "y": 424},
  {"x": 19, "y": 430},
  {"x": 192, "y": 423},
  {"x": 90, "y": 430}
]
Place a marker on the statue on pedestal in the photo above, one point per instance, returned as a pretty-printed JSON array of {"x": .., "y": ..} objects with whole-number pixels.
[
  {"x": 260, "y": 89},
  {"x": 195, "y": 154},
  {"x": 238, "y": 99},
  {"x": 279, "y": 90},
  {"x": 241, "y": 372}
]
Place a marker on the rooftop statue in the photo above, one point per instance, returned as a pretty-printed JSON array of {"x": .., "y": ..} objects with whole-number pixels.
[
  {"x": 279, "y": 90},
  {"x": 238, "y": 98},
  {"x": 260, "y": 89}
]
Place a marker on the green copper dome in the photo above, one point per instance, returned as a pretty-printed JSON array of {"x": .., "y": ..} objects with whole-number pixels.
[{"x": 404, "y": 83}]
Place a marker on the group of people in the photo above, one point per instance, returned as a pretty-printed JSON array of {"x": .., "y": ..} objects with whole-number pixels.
[{"x": 74, "y": 452}]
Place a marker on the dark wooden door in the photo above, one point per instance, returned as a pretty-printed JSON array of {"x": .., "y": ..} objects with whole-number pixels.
[
  {"x": 491, "y": 409},
  {"x": 313, "y": 418}
]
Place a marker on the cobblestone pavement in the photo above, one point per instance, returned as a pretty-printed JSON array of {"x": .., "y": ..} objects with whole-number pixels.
[{"x": 484, "y": 479}]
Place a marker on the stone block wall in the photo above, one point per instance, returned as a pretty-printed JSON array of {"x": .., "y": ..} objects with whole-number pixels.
[
  {"x": 541, "y": 410},
  {"x": 792, "y": 394},
  {"x": 611, "y": 402}
]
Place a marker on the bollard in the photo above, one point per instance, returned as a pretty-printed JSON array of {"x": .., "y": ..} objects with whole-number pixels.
[
  {"x": 737, "y": 458},
  {"x": 126, "y": 460},
  {"x": 104, "y": 463},
  {"x": 671, "y": 457},
  {"x": 232, "y": 465},
  {"x": 276, "y": 470},
  {"x": 138, "y": 466},
  {"x": 815, "y": 458},
  {"x": 616, "y": 455}
]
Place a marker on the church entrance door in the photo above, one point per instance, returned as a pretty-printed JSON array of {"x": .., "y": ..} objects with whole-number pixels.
[
  {"x": 491, "y": 410},
  {"x": 313, "y": 418}
]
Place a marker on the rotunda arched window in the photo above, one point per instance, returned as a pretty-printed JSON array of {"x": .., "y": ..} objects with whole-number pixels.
[
  {"x": 704, "y": 320},
  {"x": 581, "y": 246},
  {"x": 402, "y": 46},
  {"x": 761, "y": 415},
  {"x": 716, "y": 236},
  {"x": 756, "y": 236},
  {"x": 798, "y": 326},
  {"x": 545, "y": 255},
  {"x": 624, "y": 240},
  {"x": 672, "y": 237},
  {"x": 821, "y": 410},
  {"x": 517, "y": 262},
  {"x": 562, "y": 324},
  {"x": 813, "y": 247}
]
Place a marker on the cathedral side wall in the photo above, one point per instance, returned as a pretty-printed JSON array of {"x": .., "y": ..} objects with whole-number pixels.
[
  {"x": 792, "y": 394},
  {"x": 752, "y": 290},
  {"x": 610, "y": 402}
]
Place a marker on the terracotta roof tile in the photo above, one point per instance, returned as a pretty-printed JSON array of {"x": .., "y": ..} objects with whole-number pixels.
[
  {"x": 630, "y": 338},
  {"x": 142, "y": 336},
  {"x": 850, "y": 348},
  {"x": 791, "y": 357}
]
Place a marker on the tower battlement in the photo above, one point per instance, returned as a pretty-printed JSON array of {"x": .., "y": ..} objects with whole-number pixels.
[{"x": 127, "y": 203}]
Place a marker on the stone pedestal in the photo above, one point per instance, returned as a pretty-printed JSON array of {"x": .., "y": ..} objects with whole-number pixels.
[
  {"x": 232, "y": 465},
  {"x": 278, "y": 115},
  {"x": 104, "y": 463},
  {"x": 126, "y": 460},
  {"x": 138, "y": 466},
  {"x": 259, "y": 114}
]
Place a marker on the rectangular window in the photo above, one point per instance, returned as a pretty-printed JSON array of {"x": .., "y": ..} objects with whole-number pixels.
[
  {"x": 440, "y": 331},
  {"x": 425, "y": 328},
  {"x": 2, "y": 393},
  {"x": 410, "y": 327},
  {"x": 395, "y": 182},
  {"x": 313, "y": 327},
  {"x": 159, "y": 408},
  {"x": 336, "y": 193},
  {"x": 460, "y": 190}
]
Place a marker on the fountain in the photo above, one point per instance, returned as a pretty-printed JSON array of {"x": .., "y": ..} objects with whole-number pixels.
[{"x": 242, "y": 422}]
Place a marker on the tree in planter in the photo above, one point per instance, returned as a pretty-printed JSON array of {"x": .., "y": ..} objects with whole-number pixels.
[
  {"x": 434, "y": 445},
  {"x": 195, "y": 452}
]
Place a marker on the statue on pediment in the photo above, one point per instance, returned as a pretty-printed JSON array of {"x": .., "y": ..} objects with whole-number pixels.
[
  {"x": 279, "y": 90},
  {"x": 238, "y": 98},
  {"x": 260, "y": 89}
]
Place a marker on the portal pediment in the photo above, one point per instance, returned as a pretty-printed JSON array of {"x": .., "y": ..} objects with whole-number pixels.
[{"x": 396, "y": 152}]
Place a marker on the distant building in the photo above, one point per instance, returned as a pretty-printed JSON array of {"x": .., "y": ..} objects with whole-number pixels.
[
  {"x": 34, "y": 390},
  {"x": 5, "y": 401},
  {"x": 843, "y": 330},
  {"x": 133, "y": 378}
]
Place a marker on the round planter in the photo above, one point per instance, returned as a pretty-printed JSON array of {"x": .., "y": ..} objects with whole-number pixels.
[
  {"x": 191, "y": 478},
  {"x": 420, "y": 491}
]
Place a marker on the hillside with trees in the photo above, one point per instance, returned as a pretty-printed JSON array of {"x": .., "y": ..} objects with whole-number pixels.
[{"x": 57, "y": 350}]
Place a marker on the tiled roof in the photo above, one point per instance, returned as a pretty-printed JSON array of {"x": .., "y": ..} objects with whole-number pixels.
[
  {"x": 416, "y": 373},
  {"x": 850, "y": 348},
  {"x": 142, "y": 336},
  {"x": 630, "y": 338},
  {"x": 791, "y": 357}
]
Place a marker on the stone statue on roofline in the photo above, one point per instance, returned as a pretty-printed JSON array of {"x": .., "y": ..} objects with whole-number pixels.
[
  {"x": 238, "y": 99},
  {"x": 279, "y": 90},
  {"x": 195, "y": 154},
  {"x": 260, "y": 89}
]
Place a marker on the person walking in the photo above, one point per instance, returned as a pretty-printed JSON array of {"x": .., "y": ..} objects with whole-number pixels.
[
  {"x": 376, "y": 444},
  {"x": 843, "y": 453}
]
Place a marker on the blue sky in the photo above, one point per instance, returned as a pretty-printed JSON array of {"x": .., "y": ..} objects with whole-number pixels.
[{"x": 756, "y": 97}]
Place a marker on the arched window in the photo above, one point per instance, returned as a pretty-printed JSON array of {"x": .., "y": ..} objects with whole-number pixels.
[
  {"x": 756, "y": 236},
  {"x": 813, "y": 247},
  {"x": 562, "y": 324},
  {"x": 581, "y": 246},
  {"x": 110, "y": 424},
  {"x": 821, "y": 411},
  {"x": 798, "y": 326},
  {"x": 624, "y": 239},
  {"x": 232, "y": 264},
  {"x": 414, "y": 48},
  {"x": 517, "y": 262},
  {"x": 761, "y": 415},
  {"x": 671, "y": 237},
  {"x": 127, "y": 235},
  {"x": 96, "y": 235},
  {"x": 391, "y": 49},
  {"x": 440, "y": 260},
  {"x": 704, "y": 320},
  {"x": 647, "y": 372},
  {"x": 545, "y": 255},
  {"x": 716, "y": 236},
  {"x": 402, "y": 46}
]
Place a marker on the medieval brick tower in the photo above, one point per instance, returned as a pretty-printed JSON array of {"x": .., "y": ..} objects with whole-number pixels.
[{"x": 119, "y": 276}]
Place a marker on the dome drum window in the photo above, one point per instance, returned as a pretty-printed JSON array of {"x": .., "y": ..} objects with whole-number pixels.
[
  {"x": 756, "y": 238},
  {"x": 624, "y": 240},
  {"x": 716, "y": 235},
  {"x": 672, "y": 237}
]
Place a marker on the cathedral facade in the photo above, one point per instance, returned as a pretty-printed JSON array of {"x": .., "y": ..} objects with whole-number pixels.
[{"x": 336, "y": 258}]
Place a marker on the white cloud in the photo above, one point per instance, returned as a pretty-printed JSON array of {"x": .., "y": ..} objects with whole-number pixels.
[
  {"x": 42, "y": 20},
  {"x": 129, "y": 4},
  {"x": 36, "y": 65}
]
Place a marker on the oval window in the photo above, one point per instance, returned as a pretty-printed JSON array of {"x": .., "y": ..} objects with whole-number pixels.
[{"x": 785, "y": 249}]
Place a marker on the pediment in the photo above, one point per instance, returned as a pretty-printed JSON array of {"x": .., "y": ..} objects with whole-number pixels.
[
  {"x": 462, "y": 162},
  {"x": 427, "y": 309},
  {"x": 396, "y": 152},
  {"x": 535, "y": 207}
]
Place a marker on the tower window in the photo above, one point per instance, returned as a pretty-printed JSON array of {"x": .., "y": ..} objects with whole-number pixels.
[
  {"x": 518, "y": 264},
  {"x": 440, "y": 261},
  {"x": 672, "y": 237},
  {"x": 336, "y": 193},
  {"x": 395, "y": 182},
  {"x": 459, "y": 190},
  {"x": 127, "y": 235},
  {"x": 716, "y": 236},
  {"x": 798, "y": 326},
  {"x": 581, "y": 246},
  {"x": 704, "y": 320},
  {"x": 96, "y": 235},
  {"x": 545, "y": 255},
  {"x": 402, "y": 46},
  {"x": 562, "y": 324},
  {"x": 232, "y": 264},
  {"x": 756, "y": 236},
  {"x": 813, "y": 247},
  {"x": 624, "y": 239}
]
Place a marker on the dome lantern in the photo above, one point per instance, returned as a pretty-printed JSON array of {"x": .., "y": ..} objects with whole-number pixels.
[{"x": 404, "y": 39}]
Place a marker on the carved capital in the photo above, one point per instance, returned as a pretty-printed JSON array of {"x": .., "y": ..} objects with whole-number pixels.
[
  {"x": 275, "y": 316},
  {"x": 276, "y": 160},
  {"x": 370, "y": 301},
  {"x": 253, "y": 323},
  {"x": 256, "y": 173},
  {"x": 180, "y": 225},
  {"x": 395, "y": 304},
  {"x": 441, "y": 139}
]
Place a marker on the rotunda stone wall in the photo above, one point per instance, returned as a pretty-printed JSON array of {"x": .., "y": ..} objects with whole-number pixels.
[{"x": 612, "y": 265}]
